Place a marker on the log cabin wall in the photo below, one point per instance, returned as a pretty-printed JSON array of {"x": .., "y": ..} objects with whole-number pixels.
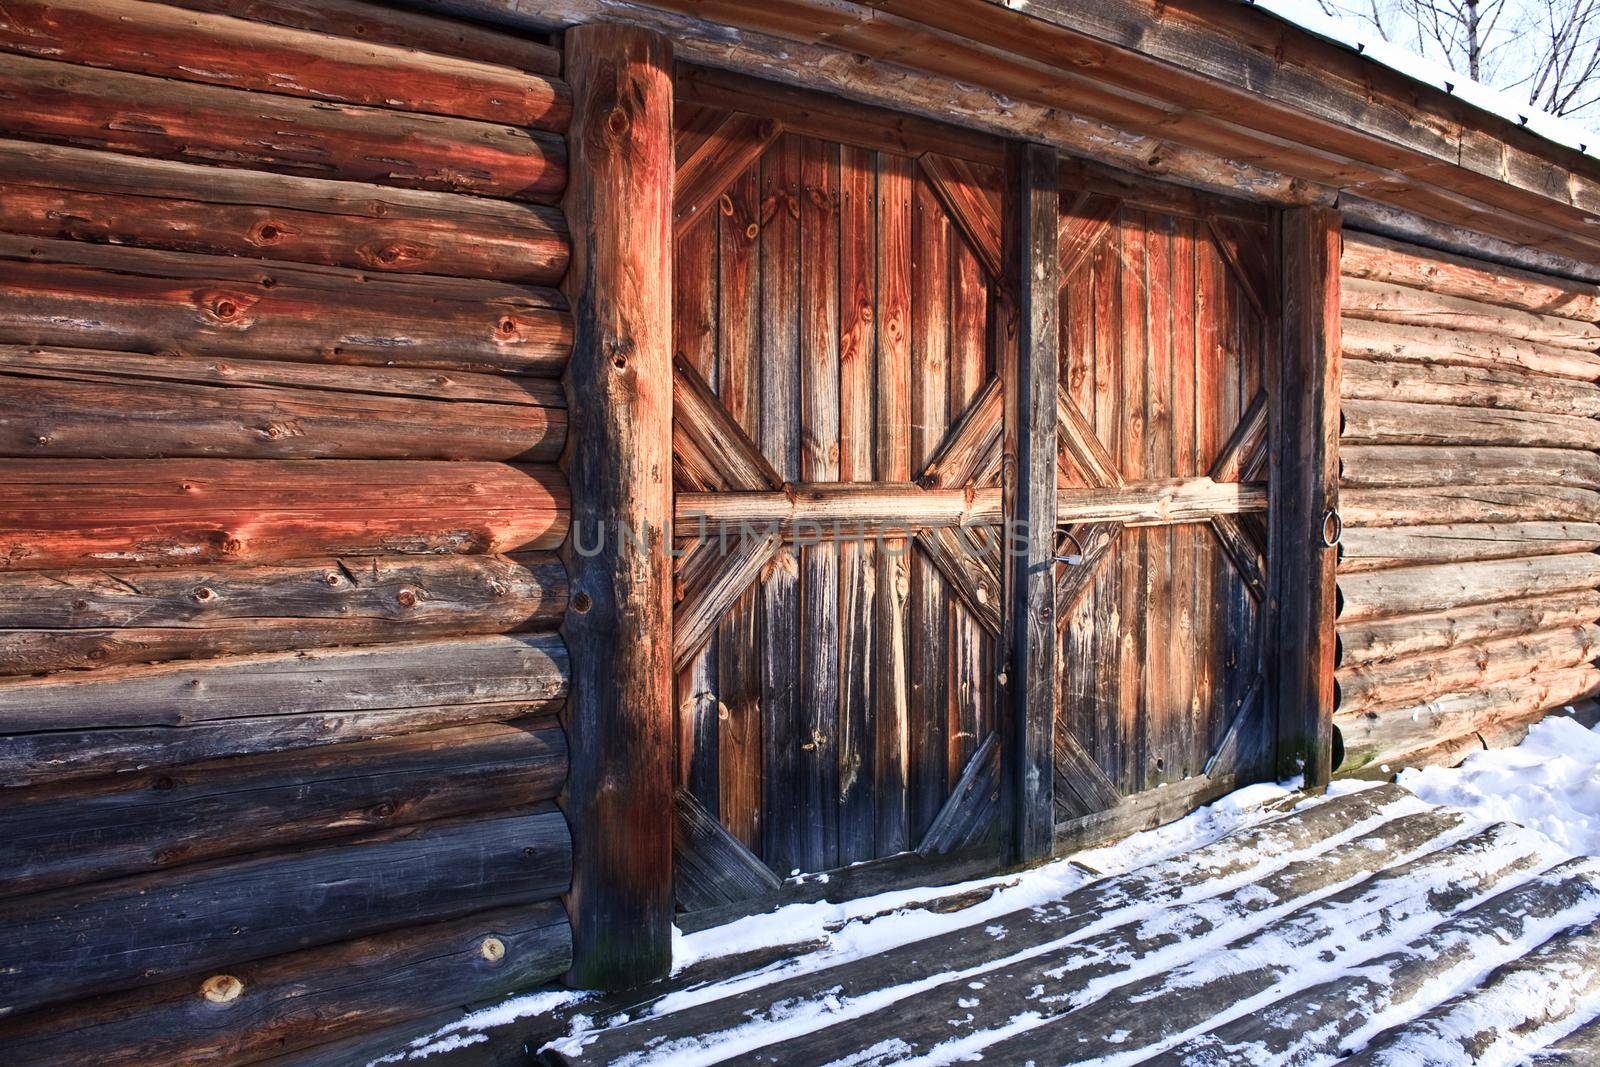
[
  {"x": 280, "y": 414},
  {"x": 1467, "y": 574}
]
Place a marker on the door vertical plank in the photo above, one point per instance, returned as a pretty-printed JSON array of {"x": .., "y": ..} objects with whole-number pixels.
[
  {"x": 779, "y": 374},
  {"x": 1032, "y": 572},
  {"x": 858, "y": 288},
  {"x": 893, "y": 462},
  {"x": 619, "y": 717},
  {"x": 1212, "y": 566},
  {"x": 819, "y": 462},
  {"x": 970, "y": 683},
  {"x": 694, "y": 339},
  {"x": 1305, "y": 486},
  {"x": 1166, "y": 702},
  {"x": 930, "y": 390},
  {"x": 738, "y": 638},
  {"x": 1133, "y": 719},
  {"x": 1111, "y": 413},
  {"x": 1187, "y": 539}
]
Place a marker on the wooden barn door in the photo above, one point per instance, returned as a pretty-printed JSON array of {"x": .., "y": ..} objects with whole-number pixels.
[
  {"x": 1167, "y": 323},
  {"x": 836, "y": 327}
]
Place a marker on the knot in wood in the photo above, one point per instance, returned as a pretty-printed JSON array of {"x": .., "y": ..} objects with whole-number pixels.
[
  {"x": 493, "y": 949},
  {"x": 203, "y": 594},
  {"x": 407, "y": 598},
  {"x": 266, "y": 232},
  {"x": 618, "y": 122},
  {"x": 221, "y": 988}
]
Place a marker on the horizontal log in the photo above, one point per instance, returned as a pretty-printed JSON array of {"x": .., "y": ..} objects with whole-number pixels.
[
  {"x": 288, "y": 1003},
  {"x": 132, "y": 512},
  {"x": 1439, "y": 587},
  {"x": 65, "y": 193},
  {"x": 1428, "y": 505},
  {"x": 63, "y": 835},
  {"x": 1388, "y": 422},
  {"x": 1405, "y": 683},
  {"x": 1372, "y": 548},
  {"x": 529, "y": 669},
  {"x": 395, "y": 26},
  {"x": 148, "y": 38},
  {"x": 1406, "y": 736},
  {"x": 71, "y": 755},
  {"x": 68, "y": 104},
  {"x": 1483, "y": 387},
  {"x": 58, "y": 620},
  {"x": 1389, "y": 466},
  {"x": 1401, "y": 304},
  {"x": 1374, "y": 640},
  {"x": 113, "y": 935},
  {"x": 1396, "y": 263},
  {"x": 1365, "y": 339},
  {"x": 79, "y": 295},
  {"x": 1380, "y": 259},
  {"x": 70, "y": 403}
]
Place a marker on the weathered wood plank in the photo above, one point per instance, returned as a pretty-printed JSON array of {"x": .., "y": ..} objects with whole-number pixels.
[
  {"x": 973, "y": 805},
  {"x": 1426, "y": 505},
  {"x": 57, "y": 836},
  {"x": 202, "y": 123},
  {"x": 80, "y": 295},
  {"x": 620, "y": 716},
  {"x": 55, "y": 620},
  {"x": 70, "y": 403},
  {"x": 1307, "y": 420},
  {"x": 127, "y": 513},
  {"x": 702, "y": 426},
  {"x": 711, "y": 867},
  {"x": 114, "y": 935},
  {"x": 147, "y": 38},
  {"x": 65, "y": 193},
  {"x": 727, "y": 151},
  {"x": 287, "y": 1003}
]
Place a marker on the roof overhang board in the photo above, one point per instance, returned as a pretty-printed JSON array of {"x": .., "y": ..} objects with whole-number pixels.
[{"x": 1205, "y": 92}]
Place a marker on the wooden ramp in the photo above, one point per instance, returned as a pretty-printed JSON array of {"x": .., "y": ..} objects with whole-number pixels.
[{"x": 1368, "y": 928}]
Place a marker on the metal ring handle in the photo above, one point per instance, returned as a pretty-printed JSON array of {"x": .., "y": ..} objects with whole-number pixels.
[{"x": 1332, "y": 518}]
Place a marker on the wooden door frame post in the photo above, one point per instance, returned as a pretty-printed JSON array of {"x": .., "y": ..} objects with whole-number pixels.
[
  {"x": 1032, "y": 628},
  {"x": 1305, "y": 493},
  {"x": 618, "y": 626}
]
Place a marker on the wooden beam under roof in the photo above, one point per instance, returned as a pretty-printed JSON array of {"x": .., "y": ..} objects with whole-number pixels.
[{"x": 1213, "y": 95}]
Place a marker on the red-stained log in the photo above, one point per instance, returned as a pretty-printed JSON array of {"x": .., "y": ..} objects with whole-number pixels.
[
  {"x": 383, "y": 24},
  {"x": 56, "y": 191},
  {"x": 151, "y": 116},
  {"x": 132, "y": 299},
  {"x": 127, "y": 513},
  {"x": 69, "y": 403},
  {"x": 147, "y": 38}
]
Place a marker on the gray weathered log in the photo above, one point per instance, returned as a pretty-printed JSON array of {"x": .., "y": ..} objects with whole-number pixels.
[
  {"x": 1488, "y": 387},
  {"x": 60, "y": 835},
  {"x": 1406, "y": 306},
  {"x": 1383, "y": 466},
  {"x": 114, "y": 935},
  {"x": 1430, "y": 345},
  {"x": 1376, "y": 547},
  {"x": 1387, "y": 422},
  {"x": 1373, "y": 640},
  {"x": 1436, "y": 587},
  {"x": 1428, "y": 505}
]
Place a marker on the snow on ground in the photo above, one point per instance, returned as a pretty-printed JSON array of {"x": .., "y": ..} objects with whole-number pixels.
[{"x": 1550, "y": 782}]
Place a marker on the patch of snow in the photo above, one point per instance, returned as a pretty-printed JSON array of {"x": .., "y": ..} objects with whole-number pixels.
[{"x": 1550, "y": 783}]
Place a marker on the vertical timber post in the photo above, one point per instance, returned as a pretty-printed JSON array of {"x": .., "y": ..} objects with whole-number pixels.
[
  {"x": 1305, "y": 494},
  {"x": 618, "y": 625},
  {"x": 1032, "y": 569}
]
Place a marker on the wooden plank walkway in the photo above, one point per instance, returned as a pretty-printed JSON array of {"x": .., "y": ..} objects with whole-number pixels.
[{"x": 1367, "y": 928}]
